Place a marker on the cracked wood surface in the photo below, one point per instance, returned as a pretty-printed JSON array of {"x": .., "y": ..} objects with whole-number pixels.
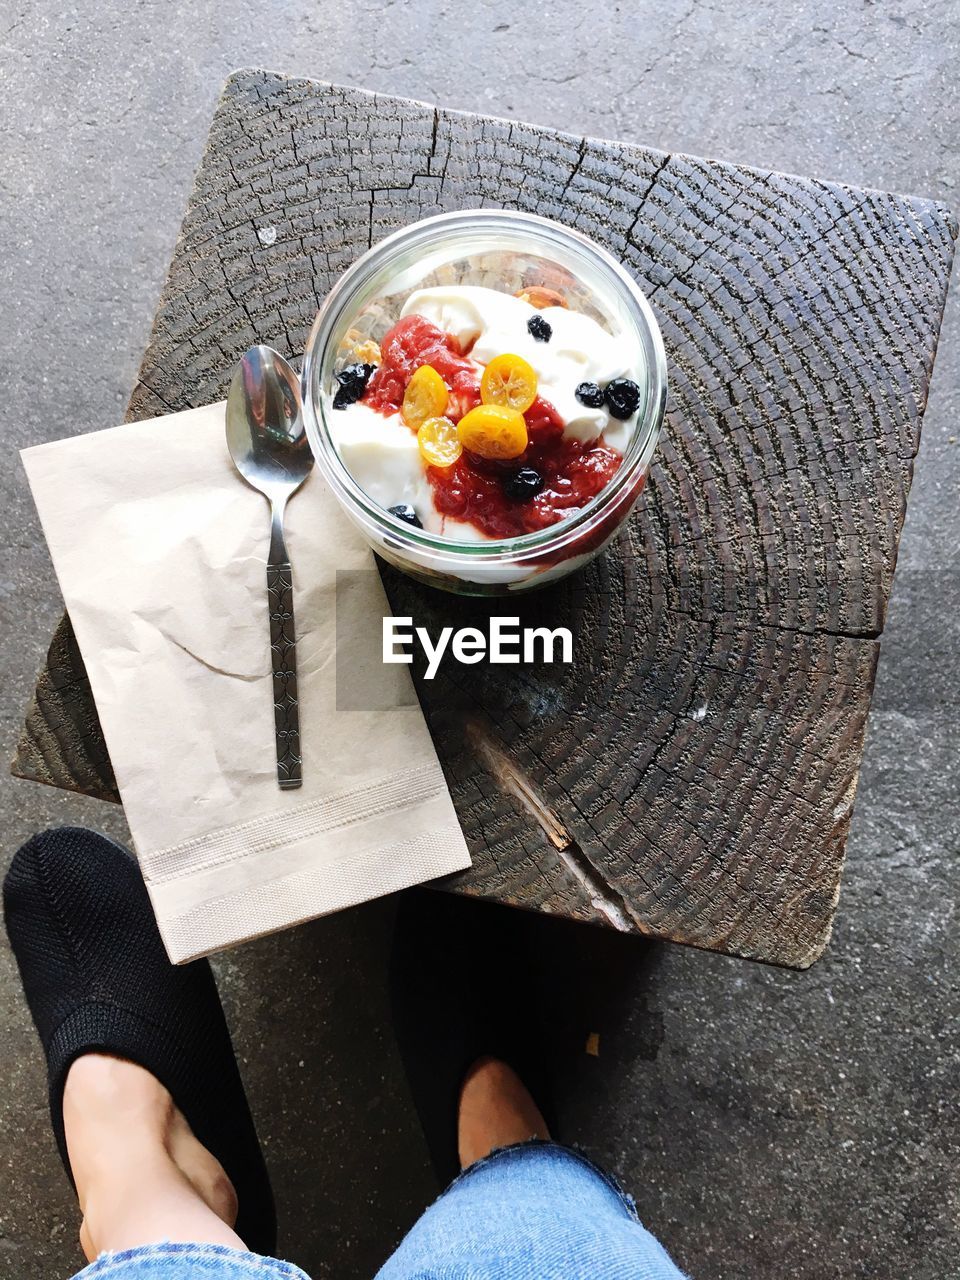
[{"x": 692, "y": 774}]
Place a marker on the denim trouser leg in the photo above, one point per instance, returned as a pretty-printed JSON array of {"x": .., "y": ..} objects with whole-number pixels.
[
  {"x": 531, "y": 1212},
  {"x": 188, "y": 1262},
  {"x": 536, "y": 1211}
]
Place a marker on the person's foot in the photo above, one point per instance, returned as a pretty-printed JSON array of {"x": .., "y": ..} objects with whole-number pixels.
[
  {"x": 125, "y": 1134},
  {"x": 496, "y": 1110},
  {"x": 464, "y": 1008},
  {"x": 146, "y": 1101}
]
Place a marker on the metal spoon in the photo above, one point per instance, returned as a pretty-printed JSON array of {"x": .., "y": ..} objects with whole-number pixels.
[{"x": 269, "y": 448}]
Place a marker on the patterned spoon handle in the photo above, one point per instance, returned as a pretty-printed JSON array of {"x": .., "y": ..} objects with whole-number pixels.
[{"x": 283, "y": 649}]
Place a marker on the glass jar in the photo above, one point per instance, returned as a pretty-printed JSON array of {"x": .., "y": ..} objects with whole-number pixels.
[{"x": 508, "y": 251}]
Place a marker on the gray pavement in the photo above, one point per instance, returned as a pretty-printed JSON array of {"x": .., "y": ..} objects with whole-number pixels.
[{"x": 769, "y": 1123}]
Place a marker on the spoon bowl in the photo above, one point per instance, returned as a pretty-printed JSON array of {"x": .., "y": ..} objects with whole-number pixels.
[{"x": 265, "y": 431}]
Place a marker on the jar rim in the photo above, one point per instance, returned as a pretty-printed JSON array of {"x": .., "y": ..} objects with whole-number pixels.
[{"x": 446, "y": 225}]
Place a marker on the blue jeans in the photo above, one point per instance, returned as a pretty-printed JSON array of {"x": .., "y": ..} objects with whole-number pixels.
[{"x": 536, "y": 1211}]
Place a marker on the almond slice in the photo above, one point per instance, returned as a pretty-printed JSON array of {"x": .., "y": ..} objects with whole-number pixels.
[{"x": 539, "y": 296}]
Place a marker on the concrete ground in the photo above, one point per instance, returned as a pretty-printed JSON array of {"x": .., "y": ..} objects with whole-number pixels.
[{"x": 769, "y": 1123}]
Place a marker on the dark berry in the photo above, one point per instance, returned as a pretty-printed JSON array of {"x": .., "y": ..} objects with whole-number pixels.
[
  {"x": 404, "y": 511},
  {"x": 539, "y": 329},
  {"x": 353, "y": 379},
  {"x": 590, "y": 394},
  {"x": 622, "y": 397},
  {"x": 521, "y": 485},
  {"x": 355, "y": 376}
]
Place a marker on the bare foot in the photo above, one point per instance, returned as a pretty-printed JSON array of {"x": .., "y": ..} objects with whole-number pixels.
[
  {"x": 141, "y": 1174},
  {"x": 495, "y": 1111}
]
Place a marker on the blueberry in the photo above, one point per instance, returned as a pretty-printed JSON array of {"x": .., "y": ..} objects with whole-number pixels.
[
  {"x": 355, "y": 376},
  {"x": 353, "y": 379},
  {"x": 622, "y": 397},
  {"x": 590, "y": 394},
  {"x": 523, "y": 484},
  {"x": 539, "y": 329},
  {"x": 404, "y": 511}
]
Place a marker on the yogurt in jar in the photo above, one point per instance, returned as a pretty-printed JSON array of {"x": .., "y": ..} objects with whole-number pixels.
[{"x": 467, "y": 473}]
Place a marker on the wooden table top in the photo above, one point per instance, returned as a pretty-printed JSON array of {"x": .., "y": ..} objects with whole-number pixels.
[{"x": 692, "y": 774}]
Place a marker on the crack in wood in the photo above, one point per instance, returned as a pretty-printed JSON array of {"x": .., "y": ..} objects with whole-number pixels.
[{"x": 605, "y": 900}]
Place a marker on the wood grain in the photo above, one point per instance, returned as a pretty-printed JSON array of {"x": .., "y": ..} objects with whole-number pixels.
[{"x": 692, "y": 775}]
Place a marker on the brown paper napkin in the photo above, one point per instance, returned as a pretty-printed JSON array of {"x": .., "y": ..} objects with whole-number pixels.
[{"x": 160, "y": 551}]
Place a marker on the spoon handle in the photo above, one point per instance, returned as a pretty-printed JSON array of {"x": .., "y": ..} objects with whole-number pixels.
[{"x": 283, "y": 650}]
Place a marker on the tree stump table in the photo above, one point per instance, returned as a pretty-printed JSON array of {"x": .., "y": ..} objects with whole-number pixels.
[{"x": 692, "y": 775}]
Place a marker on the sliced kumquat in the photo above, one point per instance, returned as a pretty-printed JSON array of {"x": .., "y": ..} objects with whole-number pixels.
[
  {"x": 426, "y": 397},
  {"x": 493, "y": 431},
  {"x": 509, "y": 380},
  {"x": 439, "y": 442}
]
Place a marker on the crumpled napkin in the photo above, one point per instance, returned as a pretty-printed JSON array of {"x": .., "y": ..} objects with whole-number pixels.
[{"x": 160, "y": 550}]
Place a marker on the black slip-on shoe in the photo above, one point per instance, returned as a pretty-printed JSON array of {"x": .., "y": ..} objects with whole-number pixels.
[
  {"x": 461, "y": 990},
  {"x": 97, "y": 979}
]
